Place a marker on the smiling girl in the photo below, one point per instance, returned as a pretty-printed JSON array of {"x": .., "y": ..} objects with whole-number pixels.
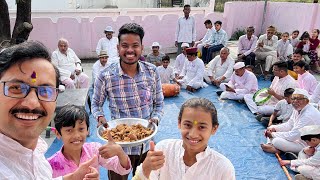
[{"x": 188, "y": 158}]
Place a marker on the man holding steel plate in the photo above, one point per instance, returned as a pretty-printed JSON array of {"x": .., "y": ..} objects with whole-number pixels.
[
  {"x": 132, "y": 87},
  {"x": 280, "y": 83}
]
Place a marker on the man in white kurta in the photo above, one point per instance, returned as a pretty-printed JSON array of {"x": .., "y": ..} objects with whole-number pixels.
[
  {"x": 191, "y": 77},
  {"x": 266, "y": 49},
  {"x": 280, "y": 83},
  {"x": 69, "y": 66},
  {"x": 220, "y": 68},
  {"x": 181, "y": 59},
  {"x": 286, "y": 136},
  {"x": 305, "y": 80},
  {"x": 99, "y": 65},
  {"x": 210, "y": 164},
  {"x": 308, "y": 164},
  {"x": 109, "y": 43},
  {"x": 242, "y": 82}
]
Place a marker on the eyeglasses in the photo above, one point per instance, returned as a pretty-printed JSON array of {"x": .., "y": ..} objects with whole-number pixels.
[{"x": 21, "y": 90}]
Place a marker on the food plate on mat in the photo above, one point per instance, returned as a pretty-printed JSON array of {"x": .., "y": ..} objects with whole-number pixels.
[{"x": 128, "y": 131}]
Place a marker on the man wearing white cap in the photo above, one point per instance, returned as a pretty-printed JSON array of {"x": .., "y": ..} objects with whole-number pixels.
[
  {"x": 181, "y": 59},
  {"x": 69, "y": 66},
  {"x": 280, "y": 83},
  {"x": 100, "y": 65},
  {"x": 308, "y": 162},
  {"x": 109, "y": 43},
  {"x": 286, "y": 136},
  {"x": 155, "y": 57},
  {"x": 191, "y": 77},
  {"x": 220, "y": 68},
  {"x": 241, "y": 82}
]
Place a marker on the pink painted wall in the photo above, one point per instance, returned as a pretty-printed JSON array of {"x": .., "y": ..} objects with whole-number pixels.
[{"x": 84, "y": 28}]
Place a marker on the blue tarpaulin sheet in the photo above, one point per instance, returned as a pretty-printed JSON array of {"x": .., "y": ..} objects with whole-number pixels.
[{"x": 238, "y": 138}]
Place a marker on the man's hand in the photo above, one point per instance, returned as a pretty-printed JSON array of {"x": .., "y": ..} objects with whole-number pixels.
[
  {"x": 176, "y": 43},
  {"x": 260, "y": 44},
  {"x": 284, "y": 162},
  {"x": 206, "y": 45},
  {"x": 309, "y": 151},
  {"x": 154, "y": 160},
  {"x": 84, "y": 171},
  {"x": 240, "y": 56},
  {"x": 154, "y": 120},
  {"x": 179, "y": 77},
  {"x": 228, "y": 88},
  {"x": 271, "y": 92},
  {"x": 102, "y": 120},
  {"x": 77, "y": 72}
]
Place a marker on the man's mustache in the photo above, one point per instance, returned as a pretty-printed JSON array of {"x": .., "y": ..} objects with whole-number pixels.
[{"x": 28, "y": 111}]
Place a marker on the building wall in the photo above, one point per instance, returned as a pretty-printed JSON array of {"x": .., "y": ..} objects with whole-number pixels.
[{"x": 83, "y": 28}]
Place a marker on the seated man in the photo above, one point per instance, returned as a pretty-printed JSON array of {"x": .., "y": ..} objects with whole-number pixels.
[
  {"x": 220, "y": 68},
  {"x": 191, "y": 77},
  {"x": 242, "y": 82},
  {"x": 69, "y": 66},
  {"x": 217, "y": 41},
  {"x": 266, "y": 49},
  {"x": 286, "y": 136},
  {"x": 296, "y": 57},
  {"x": 306, "y": 80},
  {"x": 99, "y": 65},
  {"x": 280, "y": 83},
  {"x": 246, "y": 46},
  {"x": 109, "y": 43},
  {"x": 155, "y": 57},
  {"x": 181, "y": 59},
  {"x": 205, "y": 40},
  {"x": 166, "y": 71}
]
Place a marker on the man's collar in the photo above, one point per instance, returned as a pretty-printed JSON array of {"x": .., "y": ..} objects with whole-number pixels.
[{"x": 121, "y": 72}]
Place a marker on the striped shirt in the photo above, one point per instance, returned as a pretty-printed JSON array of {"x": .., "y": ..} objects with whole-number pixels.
[{"x": 137, "y": 97}]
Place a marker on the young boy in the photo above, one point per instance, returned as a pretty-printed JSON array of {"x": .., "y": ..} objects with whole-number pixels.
[
  {"x": 284, "y": 48},
  {"x": 166, "y": 71},
  {"x": 72, "y": 124},
  {"x": 308, "y": 162},
  {"x": 189, "y": 157},
  {"x": 282, "y": 111},
  {"x": 305, "y": 46}
]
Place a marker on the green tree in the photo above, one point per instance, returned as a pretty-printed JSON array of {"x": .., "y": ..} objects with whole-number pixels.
[{"x": 22, "y": 27}]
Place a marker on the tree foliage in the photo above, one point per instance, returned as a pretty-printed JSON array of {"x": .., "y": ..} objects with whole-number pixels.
[{"x": 22, "y": 27}]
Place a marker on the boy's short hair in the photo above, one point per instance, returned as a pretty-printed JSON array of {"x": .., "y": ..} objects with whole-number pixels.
[
  {"x": 272, "y": 28},
  {"x": 298, "y": 51},
  {"x": 288, "y": 92},
  {"x": 250, "y": 28},
  {"x": 69, "y": 115},
  {"x": 166, "y": 58},
  {"x": 218, "y": 22},
  {"x": 208, "y": 21},
  {"x": 186, "y": 6}
]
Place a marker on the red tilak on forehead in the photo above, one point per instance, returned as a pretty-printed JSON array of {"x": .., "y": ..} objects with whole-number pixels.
[{"x": 33, "y": 77}]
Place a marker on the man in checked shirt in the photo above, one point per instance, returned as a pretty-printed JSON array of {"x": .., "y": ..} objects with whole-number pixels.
[{"x": 132, "y": 87}]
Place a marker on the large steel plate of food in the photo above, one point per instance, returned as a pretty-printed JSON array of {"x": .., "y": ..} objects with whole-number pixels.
[{"x": 128, "y": 132}]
